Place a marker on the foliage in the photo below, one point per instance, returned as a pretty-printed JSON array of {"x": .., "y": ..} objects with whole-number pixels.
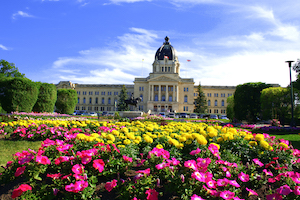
[
  {"x": 66, "y": 101},
  {"x": 230, "y": 107},
  {"x": 18, "y": 94},
  {"x": 200, "y": 101},
  {"x": 9, "y": 70},
  {"x": 122, "y": 106},
  {"x": 46, "y": 98},
  {"x": 275, "y": 103},
  {"x": 145, "y": 160},
  {"x": 247, "y": 101}
]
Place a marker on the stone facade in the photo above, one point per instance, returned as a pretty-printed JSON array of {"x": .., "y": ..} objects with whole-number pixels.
[{"x": 162, "y": 91}]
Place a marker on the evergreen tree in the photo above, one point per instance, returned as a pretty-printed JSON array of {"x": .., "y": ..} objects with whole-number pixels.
[
  {"x": 200, "y": 101},
  {"x": 122, "y": 106},
  {"x": 66, "y": 101},
  {"x": 230, "y": 107},
  {"x": 9, "y": 70},
  {"x": 46, "y": 99}
]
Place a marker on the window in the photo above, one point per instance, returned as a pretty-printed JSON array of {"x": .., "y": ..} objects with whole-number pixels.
[
  {"x": 83, "y": 99},
  {"x": 170, "y": 88},
  {"x": 108, "y": 93},
  {"x": 156, "y": 97},
  {"x": 96, "y": 93},
  {"x": 102, "y": 101},
  {"x": 229, "y": 95},
  {"x": 78, "y": 100},
  {"x": 216, "y": 111},
  {"x": 163, "y": 98},
  {"x": 141, "y": 96},
  {"x": 155, "y": 88},
  {"x": 209, "y": 110},
  {"x": 84, "y": 93},
  {"x": 216, "y": 95},
  {"x": 185, "y": 108},
  {"x": 223, "y": 103},
  {"x": 141, "y": 107},
  {"x": 102, "y": 108},
  {"x": 222, "y": 94},
  {"x": 96, "y": 100},
  {"x": 208, "y": 94},
  {"x": 90, "y": 93},
  {"x": 184, "y": 89},
  {"x": 115, "y": 93},
  {"x": 141, "y": 88},
  {"x": 78, "y": 92},
  {"x": 109, "y": 101},
  {"x": 216, "y": 102},
  {"x": 169, "y": 69},
  {"x": 185, "y": 98},
  {"x": 77, "y": 108},
  {"x": 96, "y": 108},
  {"x": 89, "y": 108},
  {"x": 90, "y": 100},
  {"x": 102, "y": 93},
  {"x": 170, "y": 97},
  {"x": 223, "y": 111},
  {"x": 187, "y": 89},
  {"x": 208, "y": 103},
  {"x": 83, "y": 108},
  {"x": 163, "y": 88}
]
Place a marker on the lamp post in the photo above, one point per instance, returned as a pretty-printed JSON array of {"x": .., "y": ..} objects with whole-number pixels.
[{"x": 292, "y": 99}]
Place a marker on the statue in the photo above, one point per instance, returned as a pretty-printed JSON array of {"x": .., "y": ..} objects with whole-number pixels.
[{"x": 133, "y": 101}]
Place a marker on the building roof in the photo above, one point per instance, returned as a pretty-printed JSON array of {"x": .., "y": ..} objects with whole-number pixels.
[{"x": 166, "y": 50}]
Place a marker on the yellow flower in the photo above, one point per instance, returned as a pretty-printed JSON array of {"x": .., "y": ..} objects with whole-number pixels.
[
  {"x": 159, "y": 146},
  {"x": 259, "y": 137},
  {"x": 201, "y": 140},
  {"x": 264, "y": 144},
  {"x": 126, "y": 141},
  {"x": 111, "y": 137},
  {"x": 253, "y": 143},
  {"x": 283, "y": 145}
]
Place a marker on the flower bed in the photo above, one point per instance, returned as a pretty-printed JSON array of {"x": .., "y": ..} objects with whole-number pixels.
[{"x": 146, "y": 160}]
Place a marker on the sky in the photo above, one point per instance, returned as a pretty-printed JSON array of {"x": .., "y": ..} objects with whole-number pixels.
[{"x": 229, "y": 42}]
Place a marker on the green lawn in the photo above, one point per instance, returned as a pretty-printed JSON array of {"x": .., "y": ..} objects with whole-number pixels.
[
  {"x": 293, "y": 138},
  {"x": 8, "y": 148}
]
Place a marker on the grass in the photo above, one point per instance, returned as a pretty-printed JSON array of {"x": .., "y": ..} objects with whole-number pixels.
[
  {"x": 8, "y": 148},
  {"x": 293, "y": 138}
]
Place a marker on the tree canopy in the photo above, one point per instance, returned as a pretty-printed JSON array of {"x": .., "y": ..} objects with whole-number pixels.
[
  {"x": 247, "y": 101},
  {"x": 9, "y": 70},
  {"x": 200, "y": 101},
  {"x": 66, "y": 101},
  {"x": 122, "y": 106}
]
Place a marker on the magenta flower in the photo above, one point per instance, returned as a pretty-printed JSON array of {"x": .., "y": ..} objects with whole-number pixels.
[
  {"x": 234, "y": 183},
  {"x": 256, "y": 161},
  {"x": 80, "y": 185},
  {"x": 151, "y": 194},
  {"x": 191, "y": 164},
  {"x": 110, "y": 185},
  {"x": 194, "y": 152},
  {"x": 54, "y": 176},
  {"x": 200, "y": 176},
  {"x": 78, "y": 169},
  {"x": 19, "y": 191},
  {"x": 274, "y": 197},
  {"x": 44, "y": 160},
  {"x": 268, "y": 173},
  {"x": 162, "y": 165},
  {"x": 284, "y": 190},
  {"x": 99, "y": 164},
  {"x": 251, "y": 192},
  {"x": 19, "y": 171},
  {"x": 227, "y": 194},
  {"x": 211, "y": 183},
  {"x": 146, "y": 171},
  {"x": 297, "y": 190},
  {"x": 196, "y": 197},
  {"x": 222, "y": 182},
  {"x": 243, "y": 177}
]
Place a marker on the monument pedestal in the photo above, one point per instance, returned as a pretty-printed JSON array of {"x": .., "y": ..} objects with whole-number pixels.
[{"x": 130, "y": 114}]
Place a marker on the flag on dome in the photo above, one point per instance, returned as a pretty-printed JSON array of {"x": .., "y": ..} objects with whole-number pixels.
[
  {"x": 166, "y": 57},
  {"x": 189, "y": 60}
]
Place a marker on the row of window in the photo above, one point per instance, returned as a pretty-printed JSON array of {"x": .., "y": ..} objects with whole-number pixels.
[
  {"x": 102, "y": 100},
  {"x": 163, "y": 88},
  {"x": 216, "y": 103},
  {"x": 96, "y": 108},
  {"x": 97, "y": 93},
  {"x": 216, "y": 111},
  {"x": 215, "y": 94}
]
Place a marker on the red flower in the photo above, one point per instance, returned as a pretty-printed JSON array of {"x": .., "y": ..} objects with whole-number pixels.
[
  {"x": 19, "y": 171},
  {"x": 19, "y": 191},
  {"x": 152, "y": 194},
  {"x": 110, "y": 185}
]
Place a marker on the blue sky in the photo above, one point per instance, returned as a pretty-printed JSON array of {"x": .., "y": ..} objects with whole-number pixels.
[{"x": 229, "y": 42}]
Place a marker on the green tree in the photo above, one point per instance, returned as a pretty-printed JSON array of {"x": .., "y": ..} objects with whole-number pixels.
[
  {"x": 230, "y": 107},
  {"x": 200, "y": 101},
  {"x": 122, "y": 106},
  {"x": 18, "y": 94},
  {"x": 9, "y": 70},
  {"x": 275, "y": 103},
  {"x": 247, "y": 101},
  {"x": 46, "y": 98},
  {"x": 66, "y": 101}
]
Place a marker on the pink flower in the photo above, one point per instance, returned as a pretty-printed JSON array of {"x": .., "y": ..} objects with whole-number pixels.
[
  {"x": 243, "y": 177},
  {"x": 211, "y": 183},
  {"x": 110, "y": 185},
  {"x": 134, "y": 198},
  {"x": 127, "y": 159},
  {"x": 284, "y": 190},
  {"x": 19, "y": 171},
  {"x": 99, "y": 164},
  {"x": 268, "y": 173},
  {"x": 44, "y": 160},
  {"x": 256, "y": 161},
  {"x": 200, "y": 176},
  {"x": 80, "y": 185},
  {"x": 234, "y": 183},
  {"x": 78, "y": 169},
  {"x": 251, "y": 192},
  {"x": 194, "y": 152},
  {"x": 274, "y": 197},
  {"x": 152, "y": 194},
  {"x": 203, "y": 162},
  {"x": 191, "y": 164},
  {"x": 297, "y": 190},
  {"x": 54, "y": 176},
  {"x": 227, "y": 194},
  {"x": 146, "y": 171},
  {"x": 162, "y": 165},
  {"x": 196, "y": 197},
  {"x": 222, "y": 182},
  {"x": 19, "y": 191}
]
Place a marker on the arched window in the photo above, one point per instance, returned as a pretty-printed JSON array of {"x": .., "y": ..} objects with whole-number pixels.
[
  {"x": 102, "y": 100},
  {"x": 185, "y": 98},
  {"x": 208, "y": 103},
  {"x": 223, "y": 103},
  {"x": 109, "y": 101},
  {"x": 170, "y": 97},
  {"x": 141, "y": 96},
  {"x": 216, "y": 102},
  {"x": 156, "y": 97},
  {"x": 90, "y": 100},
  {"x": 83, "y": 99},
  {"x": 96, "y": 100},
  {"x": 78, "y": 100},
  {"x": 163, "y": 98}
]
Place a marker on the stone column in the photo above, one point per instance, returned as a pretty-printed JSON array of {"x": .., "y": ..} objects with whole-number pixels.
[
  {"x": 152, "y": 96},
  {"x": 173, "y": 97},
  {"x": 177, "y": 93},
  {"x": 167, "y": 93},
  {"x": 159, "y": 92},
  {"x": 149, "y": 92}
]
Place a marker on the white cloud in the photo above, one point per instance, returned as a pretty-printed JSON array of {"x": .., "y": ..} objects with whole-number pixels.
[
  {"x": 124, "y": 1},
  {"x": 21, "y": 14},
  {"x": 3, "y": 47}
]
